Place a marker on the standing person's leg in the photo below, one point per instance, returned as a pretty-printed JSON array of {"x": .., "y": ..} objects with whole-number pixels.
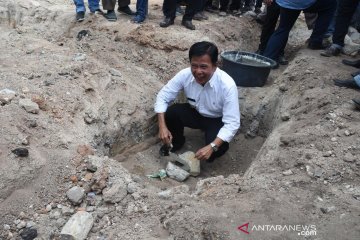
[
  {"x": 279, "y": 38},
  {"x": 325, "y": 10},
  {"x": 179, "y": 116},
  {"x": 212, "y": 126},
  {"x": 169, "y": 10},
  {"x": 272, "y": 16},
  {"x": 80, "y": 6},
  {"x": 191, "y": 9},
  {"x": 258, "y": 6},
  {"x": 94, "y": 5},
  {"x": 123, "y": 6},
  {"x": 346, "y": 10},
  {"x": 109, "y": 5},
  {"x": 223, "y": 7},
  {"x": 141, "y": 11}
]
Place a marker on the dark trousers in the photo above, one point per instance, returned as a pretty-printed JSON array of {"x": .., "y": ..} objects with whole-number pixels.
[
  {"x": 110, "y": 4},
  {"x": 271, "y": 18},
  {"x": 192, "y": 7},
  {"x": 258, "y": 3},
  {"x": 237, "y": 4},
  {"x": 224, "y": 5},
  {"x": 325, "y": 10},
  {"x": 345, "y": 11},
  {"x": 183, "y": 115}
]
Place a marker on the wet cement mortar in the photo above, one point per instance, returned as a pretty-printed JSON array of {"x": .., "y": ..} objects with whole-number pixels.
[{"x": 294, "y": 161}]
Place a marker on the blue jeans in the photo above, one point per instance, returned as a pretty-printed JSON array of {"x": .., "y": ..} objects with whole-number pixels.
[
  {"x": 357, "y": 79},
  {"x": 80, "y": 6},
  {"x": 325, "y": 10},
  {"x": 142, "y": 8}
]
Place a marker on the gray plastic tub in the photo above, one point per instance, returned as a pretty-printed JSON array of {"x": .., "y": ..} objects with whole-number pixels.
[{"x": 247, "y": 69}]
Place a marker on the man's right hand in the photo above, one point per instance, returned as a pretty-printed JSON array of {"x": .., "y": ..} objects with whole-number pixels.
[{"x": 165, "y": 135}]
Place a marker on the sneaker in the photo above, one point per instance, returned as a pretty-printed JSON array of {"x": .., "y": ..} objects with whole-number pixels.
[
  {"x": 346, "y": 83},
  {"x": 126, "y": 10},
  {"x": 80, "y": 16},
  {"x": 110, "y": 16},
  {"x": 188, "y": 24},
  {"x": 355, "y": 63},
  {"x": 331, "y": 51},
  {"x": 166, "y": 22},
  {"x": 138, "y": 19}
]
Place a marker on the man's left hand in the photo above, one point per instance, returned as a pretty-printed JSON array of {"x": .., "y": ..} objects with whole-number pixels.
[{"x": 204, "y": 153}]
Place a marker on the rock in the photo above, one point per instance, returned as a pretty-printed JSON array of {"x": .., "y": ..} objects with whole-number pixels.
[
  {"x": 93, "y": 163},
  {"x": 31, "y": 123},
  {"x": 283, "y": 88},
  {"x": 176, "y": 172},
  {"x": 132, "y": 187},
  {"x": 6, "y": 95},
  {"x": 79, "y": 57},
  {"x": 25, "y": 141},
  {"x": 78, "y": 226},
  {"x": 48, "y": 208},
  {"x": 40, "y": 101},
  {"x": 170, "y": 193},
  {"x": 318, "y": 172},
  {"x": 82, "y": 34},
  {"x": 73, "y": 178},
  {"x": 75, "y": 195},
  {"x": 350, "y": 47},
  {"x": 310, "y": 170},
  {"x": 327, "y": 154},
  {"x": 21, "y": 225},
  {"x": 6, "y": 227},
  {"x": 285, "y": 116},
  {"x": 287, "y": 172},
  {"x": 347, "y": 133},
  {"x": 21, "y": 152},
  {"x": 88, "y": 176},
  {"x": 115, "y": 72},
  {"x": 333, "y": 139},
  {"x": 29, "y": 105},
  {"x": 66, "y": 211},
  {"x": 328, "y": 209},
  {"x": 115, "y": 193},
  {"x": 356, "y": 196},
  {"x": 60, "y": 222},
  {"x": 30, "y": 224},
  {"x": 85, "y": 150},
  {"x": 354, "y": 35},
  {"x": 349, "y": 157},
  {"x": 55, "y": 214},
  {"x": 29, "y": 234},
  {"x": 190, "y": 163}
]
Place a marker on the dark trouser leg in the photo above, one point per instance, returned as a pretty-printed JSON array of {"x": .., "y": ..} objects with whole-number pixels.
[
  {"x": 192, "y": 8},
  {"x": 325, "y": 10},
  {"x": 278, "y": 40},
  {"x": 179, "y": 116},
  {"x": 345, "y": 11},
  {"x": 169, "y": 8},
  {"x": 235, "y": 5},
  {"x": 259, "y": 3},
  {"x": 224, "y": 5},
  {"x": 272, "y": 15},
  {"x": 123, "y": 3},
  {"x": 108, "y": 4},
  {"x": 212, "y": 127}
]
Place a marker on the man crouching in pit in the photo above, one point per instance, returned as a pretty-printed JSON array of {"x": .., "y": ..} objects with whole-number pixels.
[{"x": 213, "y": 104}]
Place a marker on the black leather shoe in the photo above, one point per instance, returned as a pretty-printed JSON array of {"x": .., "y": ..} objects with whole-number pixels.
[
  {"x": 346, "y": 83},
  {"x": 126, "y": 10},
  {"x": 167, "y": 22},
  {"x": 316, "y": 46},
  {"x": 357, "y": 103},
  {"x": 355, "y": 63},
  {"x": 355, "y": 73},
  {"x": 188, "y": 24},
  {"x": 282, "y": 61}
]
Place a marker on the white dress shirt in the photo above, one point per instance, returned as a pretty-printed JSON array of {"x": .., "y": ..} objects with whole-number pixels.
[{"x": 217, "y": 98}]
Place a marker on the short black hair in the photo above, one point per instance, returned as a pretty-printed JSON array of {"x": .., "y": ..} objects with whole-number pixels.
[{"x": 202, "y": 48}]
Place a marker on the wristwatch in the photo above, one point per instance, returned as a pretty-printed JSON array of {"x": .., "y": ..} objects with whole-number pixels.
[{"x": 214, "y": 147}]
